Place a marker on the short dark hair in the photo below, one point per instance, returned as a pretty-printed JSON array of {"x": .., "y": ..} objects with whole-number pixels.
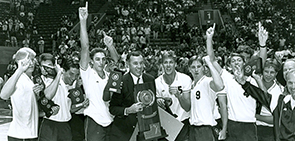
[
  {"x": 235, "y": 54},
  {"x": 272, "y": 62},
  {"x": 97, "y": 50},
  {"x": 46, "y": 56},
  {"x": 134, "y": 53},
  {"x": 69, "y": 63}
]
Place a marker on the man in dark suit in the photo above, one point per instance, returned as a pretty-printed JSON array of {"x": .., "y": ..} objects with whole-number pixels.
[{"x": 123, "y": 105}]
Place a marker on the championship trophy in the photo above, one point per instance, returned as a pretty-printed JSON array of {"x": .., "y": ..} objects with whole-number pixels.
[
  {"x": 253, "y": 64},
  {"x": 115, "y": 81},
  {"x": 148, "y": 119},
  {"x": 44, "y": 103},
  {"x": 76, "y": 95}
]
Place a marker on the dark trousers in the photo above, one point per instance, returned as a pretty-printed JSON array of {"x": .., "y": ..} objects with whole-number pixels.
[
  {"x": 16, "y": 139},
  {"x": 55, "y": 131},
  {"x": 201, "y": 133},
  {"x": 265, "y": 133},
  {"x": 241, "y": 131},
  {"x": 77, "y": 127},
  {"x": 184, "y": 132},
  {"x": 96, "y": 132}
]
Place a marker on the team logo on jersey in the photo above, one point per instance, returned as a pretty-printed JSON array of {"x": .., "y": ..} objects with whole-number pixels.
[{"x": 198, "y": 95}]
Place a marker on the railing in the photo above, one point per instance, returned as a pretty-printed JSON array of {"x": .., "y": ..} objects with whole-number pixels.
[{"x": 221, "y": 19}]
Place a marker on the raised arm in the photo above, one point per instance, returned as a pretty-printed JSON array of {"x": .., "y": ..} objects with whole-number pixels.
[
  {"x": 109, "y": 43},
  {"x": 83, "y": 15},
  {"x": 217, "y": 83},
  {"x": 51, "y": 90},
  {"x": 262, "y": 37},
  {"x": 210, "y": 51},
  {"x": 9, "y": 87}
]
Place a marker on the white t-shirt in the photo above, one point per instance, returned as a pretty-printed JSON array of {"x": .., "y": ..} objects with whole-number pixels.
[
  {"x": 240, "y": 107},
  {"x": 93, "y": 85},
  {"x": 61, "y": 98},
  {"x": 162, "y": 87},
  {"x": 275, "y": 90},
  {"x": 203, "y": 103},
  {"x": 25, "y": 110}
]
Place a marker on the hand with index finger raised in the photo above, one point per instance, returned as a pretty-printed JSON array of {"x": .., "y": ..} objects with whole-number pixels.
[
  {"x": 83, "y": 12},
  {"x": 210, "y": 32}
]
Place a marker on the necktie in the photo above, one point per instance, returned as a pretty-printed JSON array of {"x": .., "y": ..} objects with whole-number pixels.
[{"x": 138, "y": 80}]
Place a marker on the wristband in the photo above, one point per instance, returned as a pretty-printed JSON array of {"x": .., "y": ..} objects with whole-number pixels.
[{"x": 262, "y": 46}]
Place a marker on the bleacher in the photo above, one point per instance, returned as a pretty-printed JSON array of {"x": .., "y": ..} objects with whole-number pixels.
[
  {"x": 4, "y": 14},
  {"x": 49, "y": 18}
]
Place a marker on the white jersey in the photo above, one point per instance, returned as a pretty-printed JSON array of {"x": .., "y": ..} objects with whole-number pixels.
[
  {"x": 203, "y": 103},
  {"x": 93, "y": 85},
  {"x": 162, "y": 87},
  {"x": 275, "y": 90},
  {"x": 240, "y": 107},
  {"x": 61, "y": 98},
  {"x": 25, "y": 114}
]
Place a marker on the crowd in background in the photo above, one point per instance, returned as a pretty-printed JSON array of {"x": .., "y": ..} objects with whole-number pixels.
[
  {"x": 20, "y": 28},
  {"x": 135, "y": 25}
]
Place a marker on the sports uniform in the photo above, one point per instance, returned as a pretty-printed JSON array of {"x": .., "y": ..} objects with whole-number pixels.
[
  {"x": 98, "y": 116},
  {"x": 184, "y": 81},
  {"x": 241, "y": 110},
  {"x": 57, "y": 127},
  {"x": 202, "y": 111},
  {"x": 25, "y": 110},
  {"x": 265, "y": 130}
]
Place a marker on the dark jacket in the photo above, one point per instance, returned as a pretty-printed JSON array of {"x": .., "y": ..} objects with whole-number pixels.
[
  {"x": 282, "y": 114},
  {"x": 123, "y": 126}
]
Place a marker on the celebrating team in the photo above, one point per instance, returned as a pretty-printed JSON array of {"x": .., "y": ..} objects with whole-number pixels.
[{"x": 215, "y": 105}]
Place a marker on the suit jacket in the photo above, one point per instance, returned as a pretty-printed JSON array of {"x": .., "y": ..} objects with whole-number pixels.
[{"x": 123, "y": 126}]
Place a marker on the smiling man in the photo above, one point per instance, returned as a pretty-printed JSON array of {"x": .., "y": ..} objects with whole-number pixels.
[
  {"x": 165, "y": 84},
  {"x": 123, "y": 105},
  {"x": 94, "y": 77}
]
